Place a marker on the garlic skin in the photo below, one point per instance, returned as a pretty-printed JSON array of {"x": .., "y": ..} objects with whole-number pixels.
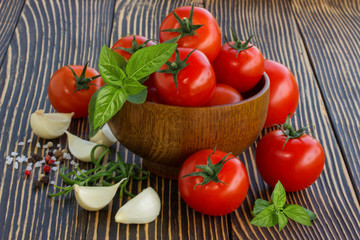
[
  {"x": 81, "y": 149},
  {"x": 50, "y": 125},
  {"x": 95, "y": 198},
  {"x": 105, "y": 135},
  {"x": 143, "y": 208}
]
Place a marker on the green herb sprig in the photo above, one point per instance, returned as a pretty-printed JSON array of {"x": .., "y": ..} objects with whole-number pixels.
[
  {"x": 112, "y": 171},
  {"x": 268, "y": 214},
  {"x": 124, "y": 80}
]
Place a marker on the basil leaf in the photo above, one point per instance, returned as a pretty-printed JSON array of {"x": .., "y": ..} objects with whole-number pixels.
[
  {"x": 132, "y": 86},
  {"x": 112, "y": 75},
  {"x": 311, "y": 214},
  {"x": 266, "y": 218},
  {"x": 278, "y": 196},
  {"x": 147, "y": 60},
  {"x": 138, "y": 98},
  {"x": 260, "y": 204},
  {"x": 282, "y": 219},
  {"x": 91, "y": 109},
  {"x": 298, "y": 214},
  {"x": 109, "y": 101},
  {"x": 109, "y": 57}
]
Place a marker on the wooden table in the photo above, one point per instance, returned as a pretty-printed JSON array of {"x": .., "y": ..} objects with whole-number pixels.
[{"x": 317, "y": 39}]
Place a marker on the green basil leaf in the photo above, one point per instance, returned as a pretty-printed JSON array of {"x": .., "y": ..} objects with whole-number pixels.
[
  {"x": 110, "y": 57},
  {"x": 112, "y": 75},
  {"x": 147, "y": 60},
  {"x": 132, "y": 86},
  {"x": 278, "y": 196},
  {"x": 311, "y": 214},
  {"x": 109, "y": 101},
  {"x": 138, "y": 98},
  {"x": 260, "y": 204},
  {"x": 91, "y": 109},
  {"x": 282, "y": 219},
  {"x": 298, "y": 214},
  {"x": 266, "y": 218}
]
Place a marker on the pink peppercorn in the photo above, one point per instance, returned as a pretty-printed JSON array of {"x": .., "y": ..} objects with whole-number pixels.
[
  {"x": 46, "y": 168},
  {"x": 27, "y": 172}
]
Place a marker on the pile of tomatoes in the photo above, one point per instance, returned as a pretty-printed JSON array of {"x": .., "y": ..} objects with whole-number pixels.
[{"x": 203, "y": 72}]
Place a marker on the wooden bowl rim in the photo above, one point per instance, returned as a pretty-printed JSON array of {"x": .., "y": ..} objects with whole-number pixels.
[{"x": 255, "y": 96}]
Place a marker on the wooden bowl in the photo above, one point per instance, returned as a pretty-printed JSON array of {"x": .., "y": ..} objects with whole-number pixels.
[{"x": 164, "y": 135}]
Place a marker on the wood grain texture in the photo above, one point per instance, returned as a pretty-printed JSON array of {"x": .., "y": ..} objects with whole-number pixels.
[
  {"x": 332, "y": 197},
  {"x": 49, "y": 34},
  {"x": 9, "y": 15},
  {"x": 332, "y": 43}
]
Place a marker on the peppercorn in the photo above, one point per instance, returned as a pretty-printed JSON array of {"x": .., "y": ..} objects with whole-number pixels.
[
  {"x": 38, "y": 158},
  {"x": 58, "y": 154},
  {"x": 47, "y": 158},
  {"x": 51, "y": 162},
  {"x": 37, "y": 184},
  {"x": 27, "y": 172},
  {"x": 45, "y": 179},
  {"x": 31, "y": 160},
  {"x": 46, "y": 168}
]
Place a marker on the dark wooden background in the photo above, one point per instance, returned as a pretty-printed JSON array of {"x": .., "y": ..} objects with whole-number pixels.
[{"x": 317, "y": 39}]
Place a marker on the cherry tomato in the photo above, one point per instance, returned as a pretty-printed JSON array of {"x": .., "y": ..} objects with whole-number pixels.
[
  {"x": 130, "y": 45},
  {"x": 296, "y": 165},
  {"x": 68, "y": 94},
  {"x": 224, "y": 94},
  {"x": 206, "y": 38},
  {"x": 195, "y": 82},
  {"x": 284, "y": 92},
  {"x": 218, "y": 197},
  {"x": 242, "y": 70}
]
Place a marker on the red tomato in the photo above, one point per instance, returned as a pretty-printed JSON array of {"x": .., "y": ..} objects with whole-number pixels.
[
  {"x": 62, "y": 91},
  {"x": 127, "y": 42},
  {"x": 214, "y": 198},
  {"x": 196, "y": 81},
  {"x": 284, "y": 92},
  {"x": 207, "y": 38},
  {"x": 297, "y": 166},
  {"x": 224, "y": 94},
  {"x": 242, "y": 71}
]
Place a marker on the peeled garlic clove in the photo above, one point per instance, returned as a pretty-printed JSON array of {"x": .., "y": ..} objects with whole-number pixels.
[
  {"x": 143, "y": 208},
  {"x": 50, "y": 125},
  {"x": 81, "y": 149},
  {"x": 105, "y": 135},
  {"x": 95, "y": 198}
]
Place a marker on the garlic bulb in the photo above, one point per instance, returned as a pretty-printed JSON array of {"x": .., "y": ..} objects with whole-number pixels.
[
  {"x": 50, "y": 125},
  {"x": 105, "y": 135},
  {"x": 143, "y": 208},
  {"x": 95, "y": 198},
  {"x": 81, "y": 149}
]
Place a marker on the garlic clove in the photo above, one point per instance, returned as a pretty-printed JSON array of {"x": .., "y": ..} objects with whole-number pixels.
[
  {"x": 50, "y": 125},
  {"x": 143, "y": 208},
  {"x": 95, "y": 198},
  {"x": 81, "y": 149},
  {"x": 105, "y": 135}
]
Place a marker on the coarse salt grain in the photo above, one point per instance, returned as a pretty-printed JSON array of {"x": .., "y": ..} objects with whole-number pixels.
[
  {"x": 30, "y": 164},
  {"x": 14, "y": 154},
  {"x": 54, "y": 169},
  {"x": 72, "y": 162},
  {"x": 52, "y": 182},
  {"x": 45, "y": 146},
  {"x": 16, "y": 165},
  {"x": 76, "y": 165},
  {"x": 42, "y": 161},
  {"x": 9, "y": 161},
  {"x": 58, "y": 145},
  {"x": 29, "y": 140},
  {"x": 21, "y": 143},
  {"x": 57, "y": 162},
  {"x": 38, "y": 145},
  {"x": 29, "y": 168},
  {"x": 37, "y": 164},
  {"x": 53, "y": 158}
]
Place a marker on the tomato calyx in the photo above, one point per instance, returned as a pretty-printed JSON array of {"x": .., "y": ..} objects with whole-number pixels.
[
  {"x": 83, "y": 82},
  {"x": 238, "y": 45},
  {"x": 290, "y": 132},
  {"x": 209, "y": 171},
  {"x": 187, "y": 28},
  {"x": 175, "y": 67},
  {"x": 134, "y": 46}
]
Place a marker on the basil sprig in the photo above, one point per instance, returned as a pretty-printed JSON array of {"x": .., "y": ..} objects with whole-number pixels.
[
  {"x": 268, "y": 214},
  {"x": 124, "y": 80}
]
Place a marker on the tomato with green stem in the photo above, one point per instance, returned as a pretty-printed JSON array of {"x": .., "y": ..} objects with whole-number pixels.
[
  {"x": 128, "y": 45},
  {"x": 71, "y": 87},
  {"x": 213, "y": 182},
  {"x": 187, "y": 79},
  {"x": 192, "y": 27},
  {"x": 291, "y": 157},
  {"x": 239, "y": 64}
]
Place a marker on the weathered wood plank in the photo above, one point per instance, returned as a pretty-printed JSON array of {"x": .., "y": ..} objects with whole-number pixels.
[
  {"x": 331, "y": 33},
  {"x": 332, "y": 197},
  {"x": 49, "y": 35},
  {"x": 10, "y": 12}
]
